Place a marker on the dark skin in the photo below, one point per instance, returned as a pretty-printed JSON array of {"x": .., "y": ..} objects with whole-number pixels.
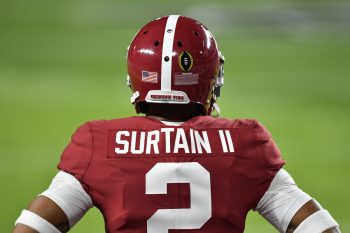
[{"x": 50, "y": 211}]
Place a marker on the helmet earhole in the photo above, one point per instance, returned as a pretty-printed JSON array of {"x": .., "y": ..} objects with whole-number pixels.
[
  {"x": 195, "y": 33},
  {"x": 156, "y": 43},
  {"x": 179, "y": 43},
  {"x": 166, "y": 58}
]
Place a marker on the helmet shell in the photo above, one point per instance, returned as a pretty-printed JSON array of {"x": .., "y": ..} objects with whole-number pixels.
[{"x": 174, "y": 54}]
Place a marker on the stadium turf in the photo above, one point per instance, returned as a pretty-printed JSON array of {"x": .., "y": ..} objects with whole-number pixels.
[{"x": 63, "y": 63}]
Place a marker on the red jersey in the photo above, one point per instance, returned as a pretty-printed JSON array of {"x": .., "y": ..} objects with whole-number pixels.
[{"x": 147, "y": 177}]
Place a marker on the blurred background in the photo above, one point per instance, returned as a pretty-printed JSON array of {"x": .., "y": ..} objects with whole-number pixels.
[{"x": 63, "y": 63}]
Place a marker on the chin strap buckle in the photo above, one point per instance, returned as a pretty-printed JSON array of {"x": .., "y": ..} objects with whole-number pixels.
[{"x": 134, "y": 97}]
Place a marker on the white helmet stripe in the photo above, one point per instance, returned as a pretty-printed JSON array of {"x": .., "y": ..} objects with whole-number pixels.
[{"x": 167, "y": 52}]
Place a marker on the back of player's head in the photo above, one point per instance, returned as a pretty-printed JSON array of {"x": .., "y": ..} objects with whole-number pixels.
[{"x": 175, "y": 60}]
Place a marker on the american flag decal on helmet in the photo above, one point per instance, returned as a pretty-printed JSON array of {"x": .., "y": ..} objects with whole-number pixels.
[{"x": 149, "y": 77}]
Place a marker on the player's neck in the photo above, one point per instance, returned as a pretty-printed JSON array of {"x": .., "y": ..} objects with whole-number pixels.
[
  {"x": 170, "y": 119},
  {"x": 175, "y": 113}
]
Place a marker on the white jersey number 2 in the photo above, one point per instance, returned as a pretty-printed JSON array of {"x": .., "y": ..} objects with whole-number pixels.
[{"x": 191, "y": 218}]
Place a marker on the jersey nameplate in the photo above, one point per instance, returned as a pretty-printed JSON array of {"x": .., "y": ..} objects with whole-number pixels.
[{"x": 170, "y": 141}]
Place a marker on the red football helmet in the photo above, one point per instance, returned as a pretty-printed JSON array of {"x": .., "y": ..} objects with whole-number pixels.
[{"x": 175, "y": 60}]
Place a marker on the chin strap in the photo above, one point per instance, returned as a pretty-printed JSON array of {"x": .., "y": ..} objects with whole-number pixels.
[
  {"x": 215, "y": 110},
  {"x": 219, "y": 82}
]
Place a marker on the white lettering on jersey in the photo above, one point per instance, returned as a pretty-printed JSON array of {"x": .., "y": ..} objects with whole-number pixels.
[
  {"x": 152, "y": 140},
  {"x": 226, "y": 137},
  {"x": 193, "y": 145},
  {"x": 202, "y": 142},
  {"x": 229, "y": 141},
  {"x": 141, "y": 144},
  {"x": 173, "y": 141},
  {"x": 181, "y": 142},
  {"x": 119, "y": 141},
  {"x": 167, "y": 138}
]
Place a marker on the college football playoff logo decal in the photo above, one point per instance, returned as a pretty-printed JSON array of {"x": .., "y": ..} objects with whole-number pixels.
[{"x": 185, "y": 61}]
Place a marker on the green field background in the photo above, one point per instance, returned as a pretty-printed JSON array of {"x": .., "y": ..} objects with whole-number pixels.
[{"x": 63, "y": 63}]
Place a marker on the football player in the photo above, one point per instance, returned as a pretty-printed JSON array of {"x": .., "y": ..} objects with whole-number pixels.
[{"x": 177, "y": 168}]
